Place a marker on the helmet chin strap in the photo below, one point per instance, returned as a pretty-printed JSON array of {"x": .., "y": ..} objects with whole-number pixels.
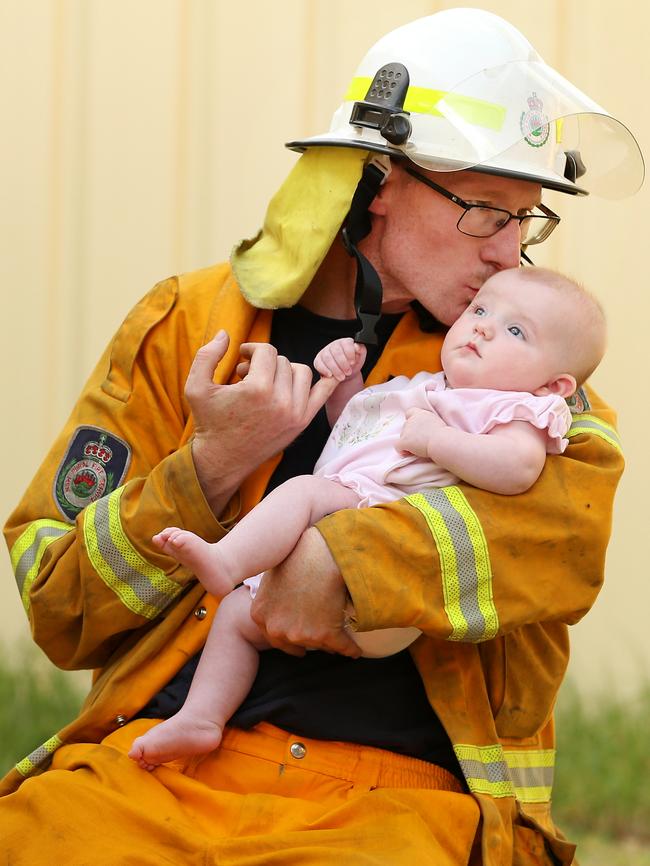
[{"x": 368, "y": 290}]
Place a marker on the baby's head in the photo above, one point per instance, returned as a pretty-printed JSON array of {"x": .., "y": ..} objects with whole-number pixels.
[{"x": 527, "y": 329}]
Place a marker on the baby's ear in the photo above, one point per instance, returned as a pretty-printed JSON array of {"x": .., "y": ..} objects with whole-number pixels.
[{"x": 563, "y": 385}]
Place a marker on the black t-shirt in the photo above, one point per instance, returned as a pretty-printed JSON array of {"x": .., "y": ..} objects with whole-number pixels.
[{"x": 374, "y": 702}]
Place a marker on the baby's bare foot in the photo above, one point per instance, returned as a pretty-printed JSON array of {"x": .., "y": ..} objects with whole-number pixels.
[
  {"x": 179, "y": 737},
  {"x": 201, "y": 557}
]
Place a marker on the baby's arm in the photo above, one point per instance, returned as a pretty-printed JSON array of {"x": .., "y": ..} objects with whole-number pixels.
[
  {"x": 342, "y": 359},
  {"x": 507, "y": 460}
]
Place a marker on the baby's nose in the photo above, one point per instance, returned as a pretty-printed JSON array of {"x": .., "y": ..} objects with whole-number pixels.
[{"x": 483, "y": 329}]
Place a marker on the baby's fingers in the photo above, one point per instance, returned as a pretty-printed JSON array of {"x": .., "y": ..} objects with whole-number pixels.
[
  {"x": 344, "y": 356},
  {"x": 328, "y": 365}
]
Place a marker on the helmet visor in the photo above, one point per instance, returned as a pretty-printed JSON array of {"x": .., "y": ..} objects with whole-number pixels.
[{"x": 524, "y": 117}]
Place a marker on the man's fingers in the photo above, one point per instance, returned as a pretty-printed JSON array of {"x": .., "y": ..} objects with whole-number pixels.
[
  {"x": 344, "y": 645},
  {"x": 301, "y": 377},
  {"x": 318, "y": 396},
  {"x": 205, "y": 363},
  {"x": 263, "y": 358},
  {"x": 242, "y": 369},
  {"x": 289, "y": 648},
  {"x": 283, "y": 378}
]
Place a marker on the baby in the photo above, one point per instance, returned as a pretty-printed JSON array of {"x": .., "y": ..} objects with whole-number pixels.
[{"x": 529, "y": 338}]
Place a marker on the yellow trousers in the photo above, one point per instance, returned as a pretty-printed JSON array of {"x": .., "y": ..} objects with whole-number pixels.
[{"x": 264, "y": 797}]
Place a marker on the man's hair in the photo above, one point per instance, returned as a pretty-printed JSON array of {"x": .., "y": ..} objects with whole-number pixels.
[{"x": 587, "y": 330}]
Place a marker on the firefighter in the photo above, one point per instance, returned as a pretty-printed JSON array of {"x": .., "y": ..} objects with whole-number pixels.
[{"x": 443, "y": 753}]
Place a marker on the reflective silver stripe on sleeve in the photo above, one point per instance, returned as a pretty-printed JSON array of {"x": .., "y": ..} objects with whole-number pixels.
[
  {"x": 594, "y": 426},
  {"x": 28, "y": 551},
  {"x": 36, "y": 759},
  {"x": 526, "y": 774},
  {"x": 485, "y": 770},
  {"x": 465, "y": 567},
  {"x": 141, "y": 586}
]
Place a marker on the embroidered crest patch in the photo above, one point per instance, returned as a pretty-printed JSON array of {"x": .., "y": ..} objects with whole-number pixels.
[
  {"x": 578, "y": 403},
  {"x": 93, "y": 466},
  {"x": 534, "y": 123}
]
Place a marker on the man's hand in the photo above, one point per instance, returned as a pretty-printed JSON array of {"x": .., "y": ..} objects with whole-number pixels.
[
  {"x": 300, "y": 604},
  {"x": 238, "y": 427},
  {"x": 419, "y": 430}
]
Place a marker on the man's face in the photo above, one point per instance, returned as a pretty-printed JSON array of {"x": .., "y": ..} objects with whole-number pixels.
[{"x": 420, "y": 254}]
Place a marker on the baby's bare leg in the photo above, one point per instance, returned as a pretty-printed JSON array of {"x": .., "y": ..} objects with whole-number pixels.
[
  {"x": 222, "y": 680},
  {"x": 263, "y": 538}
]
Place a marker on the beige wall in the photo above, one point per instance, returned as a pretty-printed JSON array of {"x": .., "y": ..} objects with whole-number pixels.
[{"x": 143, "y": 137}]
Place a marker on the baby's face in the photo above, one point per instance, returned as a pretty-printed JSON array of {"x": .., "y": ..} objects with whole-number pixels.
[{"x": 510, "y": 338}]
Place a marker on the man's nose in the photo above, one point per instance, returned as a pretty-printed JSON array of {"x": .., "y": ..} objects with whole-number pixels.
[{"x": 503, "y": 249}]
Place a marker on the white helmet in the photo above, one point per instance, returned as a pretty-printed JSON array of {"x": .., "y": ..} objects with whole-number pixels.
[{"x": 464, "y": 89}]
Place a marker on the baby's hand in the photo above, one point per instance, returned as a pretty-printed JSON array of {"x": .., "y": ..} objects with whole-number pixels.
[
  {"x": 418, "y": 430},
  {"x": 340, "y": 359}
]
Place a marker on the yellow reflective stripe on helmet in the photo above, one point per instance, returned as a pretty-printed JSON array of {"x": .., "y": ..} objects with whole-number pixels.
[
  {"x": 594, "y": 426},
  {"x": 526, "y": 774},
  {"x": 485, "y": 770},
  {"x": 143, "y": 588},
  {"x": 464, "y": 562},
  {"x": 531, "y": 772},
  {"x": 423, "y": 100},
  {"x": 38, "y": 757},
  {"x": 27, "y": 553}
]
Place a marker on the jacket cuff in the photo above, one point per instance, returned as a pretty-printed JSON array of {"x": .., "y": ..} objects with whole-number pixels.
[
  {"x": 337, "y": 529},
  {"x": 192, "y": 508}
]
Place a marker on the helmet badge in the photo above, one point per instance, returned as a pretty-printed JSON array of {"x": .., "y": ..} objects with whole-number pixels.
[{"x": 534, "y": 123}]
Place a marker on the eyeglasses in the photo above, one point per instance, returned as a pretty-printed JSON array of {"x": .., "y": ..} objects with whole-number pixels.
[{"x": 479, "y": 221}]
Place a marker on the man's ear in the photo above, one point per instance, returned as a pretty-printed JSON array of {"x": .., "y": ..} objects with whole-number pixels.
[
  {"x": 380, "y": 203},
  {"x": 563, "y": 385}
]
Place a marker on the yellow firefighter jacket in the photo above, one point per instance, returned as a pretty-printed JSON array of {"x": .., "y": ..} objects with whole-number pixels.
[{"x": 492, "y": 581}]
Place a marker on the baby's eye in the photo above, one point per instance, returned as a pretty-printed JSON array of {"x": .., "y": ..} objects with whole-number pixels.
[
  {"x": 516, "y": 331},
  {"x": 479, "y": 311}
]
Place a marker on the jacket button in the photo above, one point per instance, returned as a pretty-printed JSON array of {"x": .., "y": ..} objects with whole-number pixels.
[
  {"x": 120, "y": 720},
  {"x": 298, "y": 750},
  {"x": 201, "y": 612}
]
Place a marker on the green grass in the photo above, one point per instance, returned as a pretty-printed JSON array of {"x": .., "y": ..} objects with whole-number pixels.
[
  {"x": 602, "y": 784},
  {"x": 36, "y": 700},
  {"x": 595, "y": 850}
]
